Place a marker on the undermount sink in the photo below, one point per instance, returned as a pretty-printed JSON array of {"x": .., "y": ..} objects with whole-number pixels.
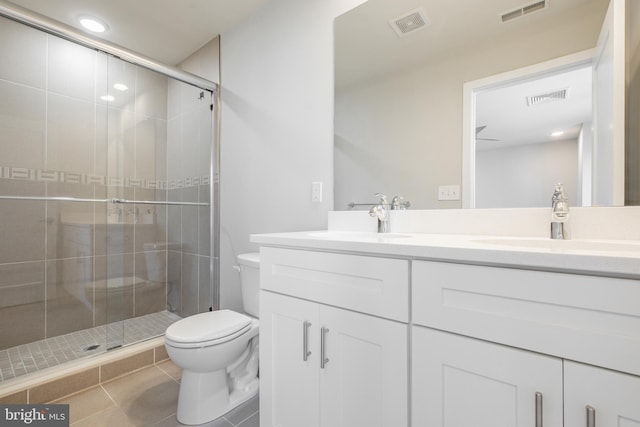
[
  {"x": 575, "y": 245},
  {"x": 343, "y": 235}
]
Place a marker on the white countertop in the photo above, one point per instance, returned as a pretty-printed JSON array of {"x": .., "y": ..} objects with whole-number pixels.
[{"x": 615, "y": 258}]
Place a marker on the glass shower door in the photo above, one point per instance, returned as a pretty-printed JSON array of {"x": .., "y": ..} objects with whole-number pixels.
[
  {"x": 105, "y": 178},
  {"x": 114, "y": 289},
  {"x": 157, "y": 233}
]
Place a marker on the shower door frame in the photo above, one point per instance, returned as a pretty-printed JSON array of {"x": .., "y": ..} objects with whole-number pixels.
[{"x": 50, "y": 26}]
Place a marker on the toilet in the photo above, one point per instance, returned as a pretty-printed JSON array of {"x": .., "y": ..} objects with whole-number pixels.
[{"x": 218, "y": 353}]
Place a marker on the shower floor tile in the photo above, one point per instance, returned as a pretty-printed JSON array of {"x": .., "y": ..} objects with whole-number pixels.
[{"x": 43, "y": 354}]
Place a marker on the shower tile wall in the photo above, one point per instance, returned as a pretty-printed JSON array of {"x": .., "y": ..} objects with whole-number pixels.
[
  {"x": 22, "y": 223},
  {"x": 61, "y": 261}
]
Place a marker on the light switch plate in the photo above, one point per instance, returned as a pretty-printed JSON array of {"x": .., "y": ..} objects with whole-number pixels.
[
  {"x": 449, "y": 192},
  {"x": 316, "y": 191}
]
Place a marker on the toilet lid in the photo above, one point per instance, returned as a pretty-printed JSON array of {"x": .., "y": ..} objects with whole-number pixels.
[{"x": 209, "y": 326}]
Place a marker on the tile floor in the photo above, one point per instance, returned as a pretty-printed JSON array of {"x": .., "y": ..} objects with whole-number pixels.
[
  {"x": 35, "y": 356},
  {"x": 148, "y": 397}
]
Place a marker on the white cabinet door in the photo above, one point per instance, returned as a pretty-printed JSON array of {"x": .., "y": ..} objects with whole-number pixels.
[
  {"x": 460, "y": 382},
  {"x": 612, "y": 398},
  {"x": 289, "y": 385},
  {"x": 364, "y": 380}
]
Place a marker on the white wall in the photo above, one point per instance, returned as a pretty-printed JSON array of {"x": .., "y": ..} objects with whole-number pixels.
[
  {"x": 408, "y": 127},
  {"x": 277, "y": 132},
  {"x": 525, "y": 176},
  {"x": 205, "y": 62},
  {"x": 585, "y": 165}
]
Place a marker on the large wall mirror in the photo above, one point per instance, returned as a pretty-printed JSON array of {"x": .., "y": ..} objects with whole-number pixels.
[{"x": 418, "y": 84}]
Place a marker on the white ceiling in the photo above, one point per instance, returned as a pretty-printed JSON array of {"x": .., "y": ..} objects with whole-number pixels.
[
  {"x": 367, "y": 48},
  {"x": 170, "y": 30},
  {"x": 454, "y": 24},
  {"x": 165, "y": 30},
  {"x": 509, "y": 119}
]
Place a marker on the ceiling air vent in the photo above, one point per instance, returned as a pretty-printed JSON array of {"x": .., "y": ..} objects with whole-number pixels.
[
  {"x": 524, "y": 10},
  {"x": 409, "y": 22},
  {"x": 556, "y": 95}
]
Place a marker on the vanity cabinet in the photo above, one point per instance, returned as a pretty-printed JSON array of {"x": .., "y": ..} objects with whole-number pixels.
[
  {"x": 332, "y": 353},
  {"x": 330, "y": 367},
  {"x": 494, "y": 346},
  {"x": 596, "y": 397},
  {"x": 289, "y": 378},
  {"x": 460, "y": 381}
]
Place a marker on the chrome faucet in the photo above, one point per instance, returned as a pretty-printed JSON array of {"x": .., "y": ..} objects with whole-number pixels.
[
  {"x": 381, "y": 211},
  {"x": 559, "y": 213},
  {"x": 397, "y": 204}
]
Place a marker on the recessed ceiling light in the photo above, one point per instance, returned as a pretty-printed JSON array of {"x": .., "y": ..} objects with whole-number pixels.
[
  {"x": 93, "y": 24},
  {"x": 121, "y": 87},
  {"x": 107, "y": 98},
  {"x": 558, "y": 133}
]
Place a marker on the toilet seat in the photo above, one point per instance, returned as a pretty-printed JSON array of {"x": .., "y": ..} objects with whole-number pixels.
[{"x": 207, "y": 329}]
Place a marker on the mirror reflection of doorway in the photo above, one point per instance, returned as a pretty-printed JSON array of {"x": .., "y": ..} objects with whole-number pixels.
[
  {"x": 531, "y": 133},
  {"x": 601, "y": 168}
]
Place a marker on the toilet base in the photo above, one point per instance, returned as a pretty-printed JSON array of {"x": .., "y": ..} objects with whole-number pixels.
[{"x": 205, "y": 397}]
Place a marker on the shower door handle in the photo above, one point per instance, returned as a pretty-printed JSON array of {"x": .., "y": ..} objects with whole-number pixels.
[
  {"x": 305, "y": 340},
  {"x": 323, "y": 347}
]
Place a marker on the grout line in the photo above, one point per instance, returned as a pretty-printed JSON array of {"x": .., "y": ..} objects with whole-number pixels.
[
  {"x": 76, "y": 422},
  {"x": 167, "y": 373},
  {"x": 109, "y": 395},
  {"x": 68, "y": 343},
  {"x": 246, "y": 419},
  {"x": 238, "y": 408}
]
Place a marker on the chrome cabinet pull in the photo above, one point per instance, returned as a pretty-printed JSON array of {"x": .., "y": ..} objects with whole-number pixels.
[
  {"x": 591, "y": 416},
  {"x": 323, "y": 360},
  {"x": 538, "y": 409},
  {"x": 305, "y": 340}
]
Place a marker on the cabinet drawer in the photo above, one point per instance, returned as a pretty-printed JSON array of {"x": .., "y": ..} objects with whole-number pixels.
[
  {"x": 377, "y": 286},
  {"x": 584, "y": 318}
]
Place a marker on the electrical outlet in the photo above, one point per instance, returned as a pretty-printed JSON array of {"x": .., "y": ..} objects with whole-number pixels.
[
  {"x": 316, "y": 191},
  {"x": 449, "y": 192}
]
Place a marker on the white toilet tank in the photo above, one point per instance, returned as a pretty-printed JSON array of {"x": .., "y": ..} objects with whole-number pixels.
[{"x": 250, "y": 282}]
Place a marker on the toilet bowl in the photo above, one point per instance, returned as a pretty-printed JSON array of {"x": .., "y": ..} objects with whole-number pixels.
[{"x": 218, "y": 354}]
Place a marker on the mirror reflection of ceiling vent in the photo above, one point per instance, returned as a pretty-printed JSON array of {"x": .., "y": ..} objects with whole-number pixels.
[
  {"x": 556, "y": 95},
  {"x": 524, "y": 10},
  {"x": 410, "y": 22}
]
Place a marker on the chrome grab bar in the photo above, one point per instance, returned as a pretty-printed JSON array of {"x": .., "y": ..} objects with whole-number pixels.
[
  {"x": 113, "y": 200},
  {"x": 354, "y": 204},
  {"x": 156, "y": 202}
]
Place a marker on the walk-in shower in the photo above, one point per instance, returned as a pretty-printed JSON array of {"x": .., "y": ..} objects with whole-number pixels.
[{"x": 108, "y": 195}]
